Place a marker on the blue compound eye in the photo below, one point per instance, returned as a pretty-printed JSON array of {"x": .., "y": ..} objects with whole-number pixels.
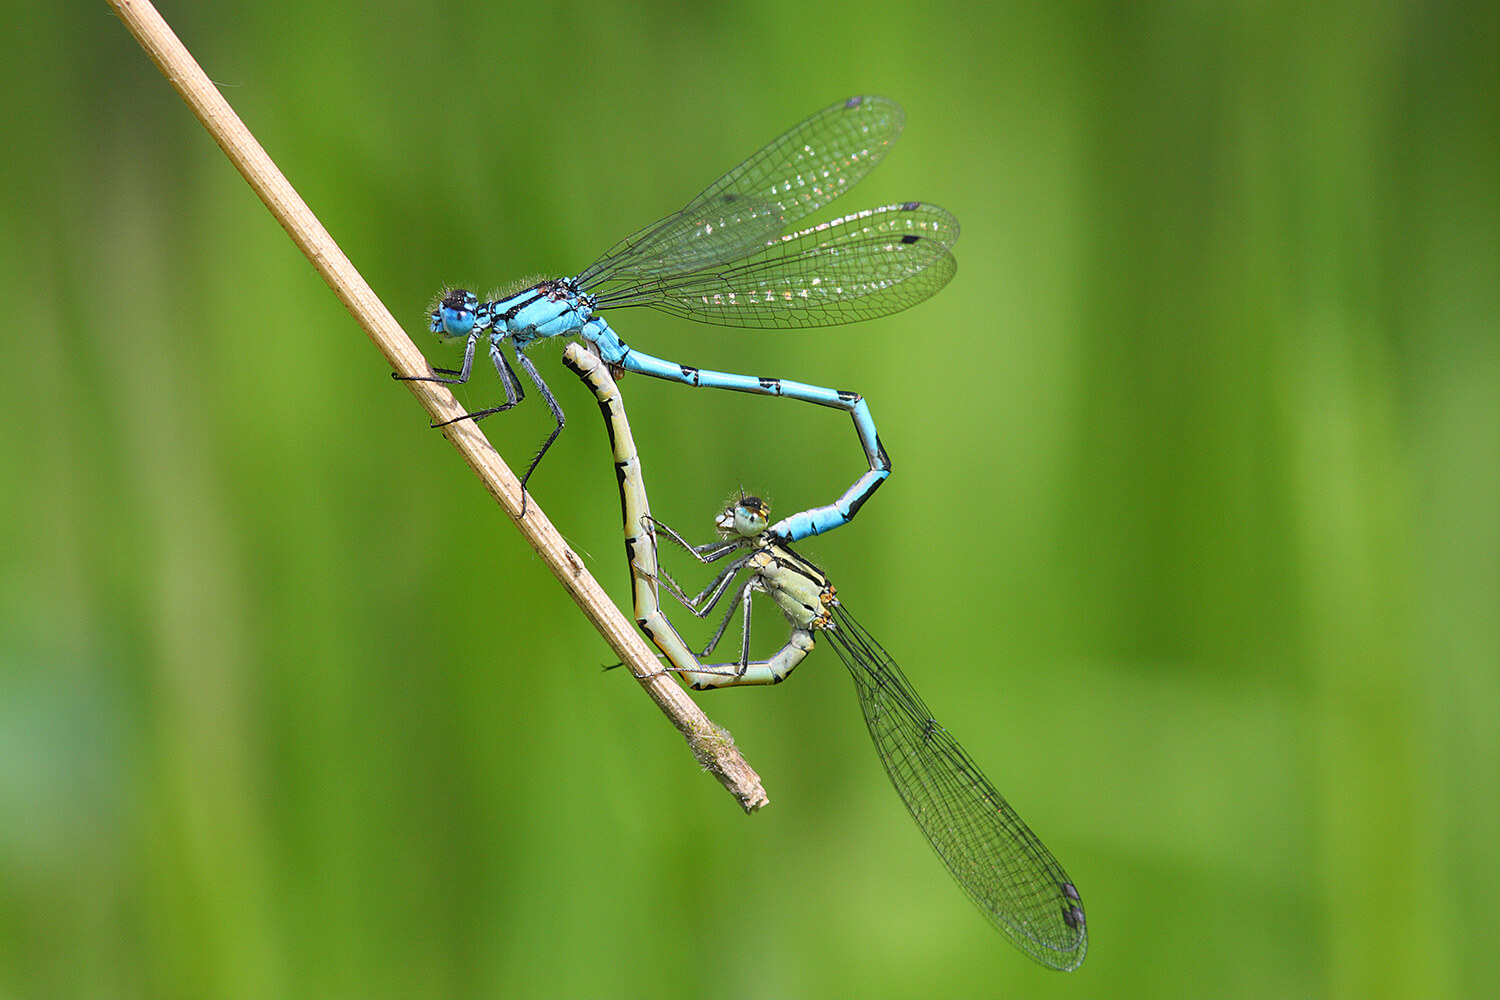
[{"x": 455, "y": 316}]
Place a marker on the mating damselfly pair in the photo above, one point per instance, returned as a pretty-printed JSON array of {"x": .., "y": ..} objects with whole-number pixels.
[{"x": 723, "y": 259}]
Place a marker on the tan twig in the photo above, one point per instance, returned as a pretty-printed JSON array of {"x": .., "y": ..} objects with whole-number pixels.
[{"x": 709, "y": 743}]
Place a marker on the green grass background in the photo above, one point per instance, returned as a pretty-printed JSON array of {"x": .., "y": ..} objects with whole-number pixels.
[{"x": 1192, "y": 537}]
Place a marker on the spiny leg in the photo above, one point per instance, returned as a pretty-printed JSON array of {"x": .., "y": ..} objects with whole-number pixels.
[
  {"x": 512, "y": 385},
  {"x": 557, "y": 414}
]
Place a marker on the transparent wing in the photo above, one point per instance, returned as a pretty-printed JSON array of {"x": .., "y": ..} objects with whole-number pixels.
[
  {"x": 756, "y": 201},
  {"x": 869, "y": 264},
  {"x": 992, "y": 854}
]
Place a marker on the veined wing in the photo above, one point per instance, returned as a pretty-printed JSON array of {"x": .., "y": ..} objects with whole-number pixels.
[
  {"x": 869, "y": 264},
  {"x": 992, "y": 854},
  {"x": 755, "y": 202}
]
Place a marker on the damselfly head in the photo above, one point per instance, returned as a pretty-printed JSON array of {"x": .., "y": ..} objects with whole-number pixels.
[
  {"x": 455, "y": 315},
  {"x": 747, "y": 517}
]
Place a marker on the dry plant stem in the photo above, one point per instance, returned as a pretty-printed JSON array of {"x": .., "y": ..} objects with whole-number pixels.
[{"x": 709, "y": 743}]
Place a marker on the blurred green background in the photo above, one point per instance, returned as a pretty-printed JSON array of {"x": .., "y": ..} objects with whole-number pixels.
[{"x": 1192, "y": 537}]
